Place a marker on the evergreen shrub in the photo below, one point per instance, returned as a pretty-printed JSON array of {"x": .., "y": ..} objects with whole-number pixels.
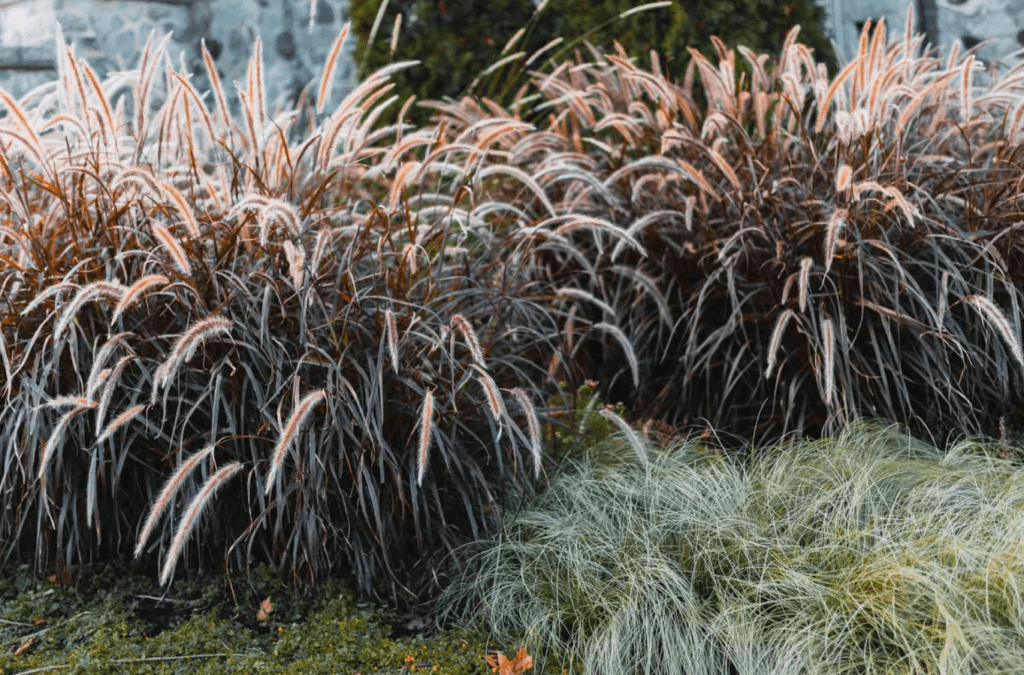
[{"x": 457, "y": 41}]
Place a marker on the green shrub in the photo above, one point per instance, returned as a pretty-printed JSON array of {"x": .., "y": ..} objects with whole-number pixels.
[{"x": 457, "y": 41}]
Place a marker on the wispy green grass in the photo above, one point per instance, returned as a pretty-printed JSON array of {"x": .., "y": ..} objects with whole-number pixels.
[{"x": 871, "y": 552}]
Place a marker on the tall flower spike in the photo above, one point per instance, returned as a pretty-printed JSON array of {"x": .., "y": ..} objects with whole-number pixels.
[
  {"x": 392, "y": 337},
  {"x": 426, "y": 425},
  {"x": 291, "y": 429},
  {"x": 168, "y": 491}
]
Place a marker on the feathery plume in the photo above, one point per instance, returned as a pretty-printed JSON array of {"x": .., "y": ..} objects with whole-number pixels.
[
  {"x": 825, "y": 104},
  {"x": 426, "y": 424},
  {"x": 291, "y": 429},
  {"x": 70, "y": 52},
  {"x": 494, "y": 400},
  {"x": 543, "y": 50},
  {"x": 459, "y": 322},
  {"x": 185, "y": 348},
  {"x": 135, "y": 291},
  {"x": 773, "y": 346},
  {"x": 501, "y": 62},
  {"x": 259, "y": 96},
  {"x": 485, "y": 140},
  {"x": 644, "y": 8},
  {"x": 119, "y": 421},
  {"x": 993, "y": 314},
  {"x": 830, "y": 346},
  {"x": 191, "y": 515},
  {"x": 250, "y": 124},
  {"x": 401, "y": 176},
  {"x": 965, "y": 87},
  {"x": 183, "y": 208},
  {"x": 174, "y": 249},
  {"x": 110, "y": 289},
  {"x": 100, "y": 360},
  {"x": 513, "y": 40},
  {"x": 140, "y": 176},
  {"x": 726, "y": 170},
  {"x": 392, "y": 331},
  {"x": 167, "y": 493},
  {"x": 898, "y": 200},
  {"x": 107, "y": 114},
  {"x": 835, "y": 223},
  {"x": 532, "y": 425},
  {"x": 697, "y": 178},
  {"x": 844, "y": 178},
  {"x": 805, "y": 280},
  {"x": 943, "y": 290},
  {"x": 322, "y": 239},
  {"x": 326, "y": 82},
  {"x": 787, "y": 287},
  {"x": 395, "y": 31},
  {"x": 691, "y": 202},
  {"x": 296, "y": 257},
  {"x": 376, "y": 25},
  {"x": 62, "y": 401}
]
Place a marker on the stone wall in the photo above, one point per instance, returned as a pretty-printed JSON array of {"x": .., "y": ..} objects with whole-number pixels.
[
  {"x": 110, "y": 34},
  {"x": 1000, "y": 23},
  {"x": 297, "y": 35}
]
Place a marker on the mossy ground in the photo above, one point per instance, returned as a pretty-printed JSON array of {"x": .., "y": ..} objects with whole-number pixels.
[
  {"x": 109, "y": 619},
  {"x": 112, "y": 618}
]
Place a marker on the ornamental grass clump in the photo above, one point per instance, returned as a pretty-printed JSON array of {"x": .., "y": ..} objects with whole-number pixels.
[
  {"x": 282, "y": 302},
  {"x": 869, "y": 552},
  {"x": 784, "y": 250}
]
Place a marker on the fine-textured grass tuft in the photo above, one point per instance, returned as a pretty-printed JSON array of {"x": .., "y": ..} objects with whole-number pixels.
[{"x": 869, "y": 552}]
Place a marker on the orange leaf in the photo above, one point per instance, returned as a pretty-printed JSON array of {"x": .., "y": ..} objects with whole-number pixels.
[
  {"x": 25, "y": 647},
  {"x": 521, "y": 662},
  {"x": 265, "y": 609}
]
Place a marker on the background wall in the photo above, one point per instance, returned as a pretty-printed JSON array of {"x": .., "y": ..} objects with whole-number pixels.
[
  {"x": 1001, "y": 22},
  {"x": 298, "y": 34},
  {"x": 110, "y": 34}
]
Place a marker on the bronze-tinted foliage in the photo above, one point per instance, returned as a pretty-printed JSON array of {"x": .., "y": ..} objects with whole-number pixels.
[
  {"x": 798, "y": 251},
  {"x": 185, "y": 280}
]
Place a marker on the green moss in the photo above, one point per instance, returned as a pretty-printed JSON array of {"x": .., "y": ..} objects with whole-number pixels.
[{"x": 112, "y": 621}]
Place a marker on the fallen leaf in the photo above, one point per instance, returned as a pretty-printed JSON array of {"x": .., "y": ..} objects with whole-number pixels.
[
  {"x": 25, "y": 647},
  {"x": 265, "y": 609},
  {"x": 521, "y": 662}
]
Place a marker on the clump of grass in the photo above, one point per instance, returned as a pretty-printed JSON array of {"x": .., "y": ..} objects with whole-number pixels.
[
  {"x": 268, "y": 289},
  {"x": 782, "y": 250},
  {"x": 869, "y": 552}
]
